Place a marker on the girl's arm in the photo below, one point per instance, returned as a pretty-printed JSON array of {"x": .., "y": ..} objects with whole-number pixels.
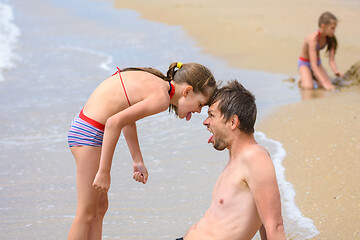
[
  {"x": 313, "y": 57},
  {"x": 151, "y": 105},
  {"x": 333, "y": 64},
  {"x": 131, "y": 137},
  {"x": 320, "y": 76},
  {"x": 262, "y": 233}
]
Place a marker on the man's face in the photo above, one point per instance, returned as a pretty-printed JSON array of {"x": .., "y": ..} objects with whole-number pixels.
[{"x": 215, "y": 123}]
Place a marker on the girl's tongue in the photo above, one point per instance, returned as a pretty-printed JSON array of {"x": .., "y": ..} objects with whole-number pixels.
[
  {"x": 211, "y": 139},
  {"x": 188, "y": 116}
]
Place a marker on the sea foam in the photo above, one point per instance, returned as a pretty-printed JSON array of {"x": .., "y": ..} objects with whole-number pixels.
[
  {"x": 105, "y": 64},
  {"x": 9, "y": 34},
  {"x": 296, "y": 225}
]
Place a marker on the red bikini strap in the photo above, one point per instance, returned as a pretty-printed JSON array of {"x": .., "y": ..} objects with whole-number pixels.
[{"x": 122, "y": 85}]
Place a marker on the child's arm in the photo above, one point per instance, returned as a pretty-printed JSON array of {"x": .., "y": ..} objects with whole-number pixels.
[
  {"x": 151, "y": 105},
  {"x": 333, "y": 64},
  {"x": 262, "y": 233},
  {"x": 323, "y": 79},
  {"x": 131, "y": 137}
]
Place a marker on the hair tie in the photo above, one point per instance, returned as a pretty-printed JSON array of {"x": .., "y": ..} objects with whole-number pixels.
[{"x": 179, "y": 64}]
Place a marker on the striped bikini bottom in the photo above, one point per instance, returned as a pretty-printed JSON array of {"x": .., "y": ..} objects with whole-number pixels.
[{"x": 85, "y": 131}]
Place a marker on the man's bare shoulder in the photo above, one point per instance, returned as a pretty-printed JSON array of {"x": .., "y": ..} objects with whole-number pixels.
[
  {"x": 257, "y": 165},
  {"x": 255, "y": 154}
]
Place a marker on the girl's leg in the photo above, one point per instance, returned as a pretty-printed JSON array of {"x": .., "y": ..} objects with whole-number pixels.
[
  {"x": 87, "y": 163},
  {"x": 95, "y": 230},
  {"x": 306, "y": 79},
  {"x": 327, "y": 81}
]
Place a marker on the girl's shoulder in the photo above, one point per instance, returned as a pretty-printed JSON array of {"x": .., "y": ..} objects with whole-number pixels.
[
  {"x": 141, "y": 78},
  {"x": 140, "y": 85},
  {"x": 313, "y": 36}
]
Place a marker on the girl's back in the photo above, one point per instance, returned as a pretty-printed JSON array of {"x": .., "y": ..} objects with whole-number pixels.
[{"x": 110, "y": 97}]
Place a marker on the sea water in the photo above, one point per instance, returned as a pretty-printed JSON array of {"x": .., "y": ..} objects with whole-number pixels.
[{"x": 53, "y": 55}]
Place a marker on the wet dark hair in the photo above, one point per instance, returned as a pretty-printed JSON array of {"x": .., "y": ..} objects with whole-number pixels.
[
  {"x": 326, "y": 18},
  {"x": 194, "y": 74},
  {"x": 235, "y": 99}
]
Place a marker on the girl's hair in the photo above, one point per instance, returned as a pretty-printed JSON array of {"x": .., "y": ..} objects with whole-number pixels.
[
  {"x": 235, "y": 99},
  {"x": 326, "y": 18},
  {"x": 194, "y": 74}
]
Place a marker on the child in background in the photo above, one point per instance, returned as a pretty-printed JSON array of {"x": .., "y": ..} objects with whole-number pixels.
[
  {"x": 114, "y": 106},
  {"x": 309, "y": 63}
]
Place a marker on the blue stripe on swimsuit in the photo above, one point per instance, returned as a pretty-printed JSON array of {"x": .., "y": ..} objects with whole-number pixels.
[{"x": 82, "y": 133}]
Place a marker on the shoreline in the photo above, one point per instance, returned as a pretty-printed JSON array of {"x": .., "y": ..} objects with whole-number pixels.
[
  {"x": 321, "y": 137},
  {"x": 323, "y": 171}
]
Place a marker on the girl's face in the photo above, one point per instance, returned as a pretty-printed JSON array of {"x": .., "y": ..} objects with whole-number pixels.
[
  {"x": 329, "y": 30},
  {"x": 190, "y": 103}
]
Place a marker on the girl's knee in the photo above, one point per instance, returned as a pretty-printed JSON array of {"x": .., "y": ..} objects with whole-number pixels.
[
  {"x": 86, "y": 217},
  {"x": 307, "y": 85},
  {"x": 91, "y": 212},
  {"x": 103, "y": 205}
]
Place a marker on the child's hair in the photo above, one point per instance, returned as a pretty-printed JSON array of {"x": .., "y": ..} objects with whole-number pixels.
[
  {"x": 234, "y": 99},
  {"x": 326, "y": 18},
  {"x": 194, "y": 74}
]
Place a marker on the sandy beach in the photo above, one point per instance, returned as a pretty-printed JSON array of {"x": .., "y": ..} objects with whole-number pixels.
[
  {"x": 323, "y": 160},
  {"x": 256, "y": 35},
  {"x": 321, "y": 135}
]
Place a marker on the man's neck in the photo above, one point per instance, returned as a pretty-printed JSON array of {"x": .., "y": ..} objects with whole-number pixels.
[{"x": 239, "y": 143}]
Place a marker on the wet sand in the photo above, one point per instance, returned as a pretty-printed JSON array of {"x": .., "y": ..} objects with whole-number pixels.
[{"x": 321, "y": 135}]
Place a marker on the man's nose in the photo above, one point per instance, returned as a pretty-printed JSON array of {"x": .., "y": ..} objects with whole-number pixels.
[{"x": 206, "y": 121}]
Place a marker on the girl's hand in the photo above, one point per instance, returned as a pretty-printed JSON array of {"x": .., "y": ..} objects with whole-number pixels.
[
  {"x": 102, "y": 181},
  {"x": 338, "y": 74},
  {"x": 140, "y": 172},
  {"x": 330, "y": 88}
]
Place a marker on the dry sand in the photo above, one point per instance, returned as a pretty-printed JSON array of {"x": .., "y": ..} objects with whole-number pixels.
[
  {"x": 321, "y": 136},
  {"x": 257, "y": 35}
]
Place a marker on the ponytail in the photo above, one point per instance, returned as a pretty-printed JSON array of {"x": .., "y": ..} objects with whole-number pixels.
[
  {"x": 169, "y": 75},
  {"x": 171, "y": 72}
]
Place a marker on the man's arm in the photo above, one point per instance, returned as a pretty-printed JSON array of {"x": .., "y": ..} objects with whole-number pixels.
[{"x": 261, "y": 178}]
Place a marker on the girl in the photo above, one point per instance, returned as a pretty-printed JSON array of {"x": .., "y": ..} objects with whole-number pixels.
[
  {"x": 309, "y": 63},
  {"x": 115, "y": 105}
]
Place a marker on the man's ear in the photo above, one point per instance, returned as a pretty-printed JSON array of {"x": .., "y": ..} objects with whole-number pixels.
[
  {"x": 187, "y": 90},
  {"x": 235, "y": 122}
]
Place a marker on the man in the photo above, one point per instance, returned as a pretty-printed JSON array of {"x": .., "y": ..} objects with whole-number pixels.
[{"x": 246, "y": 196}]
